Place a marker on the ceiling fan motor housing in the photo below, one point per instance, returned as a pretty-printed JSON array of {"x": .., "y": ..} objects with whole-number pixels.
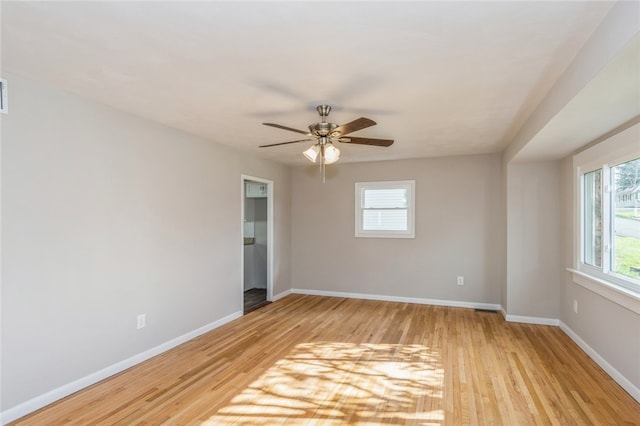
[{"x": 322, "y": 129}]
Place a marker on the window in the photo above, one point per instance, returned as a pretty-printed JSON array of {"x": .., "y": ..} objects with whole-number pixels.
[
  {"x": 592, "y": 183},
  {"x": 610, "y": 212},
  {"x": 385, "y": 209},
  {"x": 625, "y": 214}
]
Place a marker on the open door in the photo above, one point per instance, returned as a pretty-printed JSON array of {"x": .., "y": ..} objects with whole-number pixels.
[{"x": 257, "y": 242}]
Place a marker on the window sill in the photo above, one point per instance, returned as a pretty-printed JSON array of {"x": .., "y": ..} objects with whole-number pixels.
[
  {"x": 383, "y": 235},
  {"x": 619, "y": 295}
]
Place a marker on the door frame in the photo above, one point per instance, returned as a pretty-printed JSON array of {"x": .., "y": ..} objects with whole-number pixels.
[{"x": 269, "y": 183}]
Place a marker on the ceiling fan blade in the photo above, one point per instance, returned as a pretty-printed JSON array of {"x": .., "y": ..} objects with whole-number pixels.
[
  {"x": 367, "y": 141},
  {"x": 285, "y": 143},
  {"x": 279, "y": 126},
  {"x": 352, "y": 126}
]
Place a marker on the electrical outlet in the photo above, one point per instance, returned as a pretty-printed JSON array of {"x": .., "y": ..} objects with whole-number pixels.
[
  {"x": 142, "y": 321},
  {"x": 575, "y": 306},
  {"x": 460, "y": 281}
]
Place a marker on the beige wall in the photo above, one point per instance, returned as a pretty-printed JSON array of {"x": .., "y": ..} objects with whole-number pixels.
[
  {"x": 458, "y": 229},
  {"x": 106, "y": 216},
  {"x": 534, "y": 243}
]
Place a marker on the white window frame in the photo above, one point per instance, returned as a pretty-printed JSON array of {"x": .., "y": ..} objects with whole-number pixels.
[
  {"x": 410, "y": 185},
  {"x": 618, "y": 149}
]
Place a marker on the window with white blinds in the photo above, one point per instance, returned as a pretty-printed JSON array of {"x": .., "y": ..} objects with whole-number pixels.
[{"x": 385, "y": 209}]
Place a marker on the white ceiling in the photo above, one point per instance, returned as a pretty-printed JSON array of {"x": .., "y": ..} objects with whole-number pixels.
[{"x": 441, "y": 78}]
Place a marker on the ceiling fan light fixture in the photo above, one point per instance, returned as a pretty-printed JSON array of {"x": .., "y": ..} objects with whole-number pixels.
[
  {"x": 312, "y": 153},
  {"x": 331, "y": 153}
]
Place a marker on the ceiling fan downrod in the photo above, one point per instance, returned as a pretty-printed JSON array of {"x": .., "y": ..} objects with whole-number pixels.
[
  {"x": 323, "y": 128},
  {"x": 324, "y": 111}
]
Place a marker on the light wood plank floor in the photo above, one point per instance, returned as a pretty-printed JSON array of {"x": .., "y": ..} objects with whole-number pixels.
[{"x": 331, "y": 361}]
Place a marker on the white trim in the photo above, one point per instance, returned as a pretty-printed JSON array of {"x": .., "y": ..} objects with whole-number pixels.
[
  {"x": 633, "y": 390},
  {"x": 616, "y": 294},
  {"x": 270, "y": 234},
  {"x": 386, "y": 298},
  {"x": 531, "y": 320},
  {"x": 436, "y": 302},
  {"x": 281, "y": 295},
  {"x": 527, "y": 319},
  {"x": 503, "y": 312},
  {"x": 47, "y": 398},
  {"x": 613, "y": 150}
]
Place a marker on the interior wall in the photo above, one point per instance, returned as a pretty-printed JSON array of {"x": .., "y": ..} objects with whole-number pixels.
[
  {"x": 504, "y": 290},
  {"x": 458, "y": 231},
  {"x": 611, "y": 330},
  {"x": 534, "y": 241},
  {"x": 106, "y": 216}
]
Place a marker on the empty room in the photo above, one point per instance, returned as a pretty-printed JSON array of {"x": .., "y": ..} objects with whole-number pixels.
[{"x": 305, "y": 212}]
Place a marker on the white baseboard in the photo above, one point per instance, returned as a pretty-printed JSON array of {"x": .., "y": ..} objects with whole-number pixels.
[
  {"x": 530, "y": 320},
  {"x": 280, "y": 295},
  {"x": 38, "y": 402},
  {"x": 386, "y": 298},
  {"x": 633, "y": 390}
]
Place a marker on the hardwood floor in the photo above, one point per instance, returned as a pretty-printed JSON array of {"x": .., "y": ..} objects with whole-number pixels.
[{"x": 331, "y": 361}]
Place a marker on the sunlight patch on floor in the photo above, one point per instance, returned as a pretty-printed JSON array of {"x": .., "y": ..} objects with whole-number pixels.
[{"x": 343, "y": 383}]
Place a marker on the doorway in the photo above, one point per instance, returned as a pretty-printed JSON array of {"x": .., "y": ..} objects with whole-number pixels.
[{"x": 257, "y": 237}]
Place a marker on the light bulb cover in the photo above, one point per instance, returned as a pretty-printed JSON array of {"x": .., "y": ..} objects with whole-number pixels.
[
  {"x": 312, "y": 153},
  {"x": 331, "y": 153}
]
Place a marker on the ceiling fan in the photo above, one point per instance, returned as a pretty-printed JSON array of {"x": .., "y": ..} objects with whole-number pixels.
[{"x": 326, "y": 134}]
